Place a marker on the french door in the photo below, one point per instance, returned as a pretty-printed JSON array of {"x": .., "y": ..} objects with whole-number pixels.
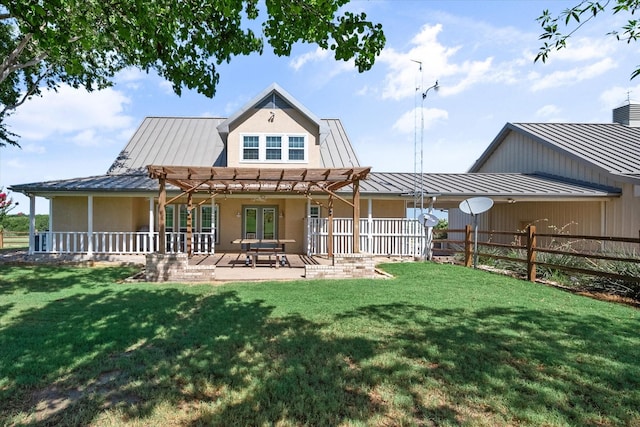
[{"x": 260, "y": 222}]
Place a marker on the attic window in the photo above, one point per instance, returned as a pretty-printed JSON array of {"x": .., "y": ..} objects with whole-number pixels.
[
  {"x": 270, "y": 148},
  {"x": 250, "y": 147}
]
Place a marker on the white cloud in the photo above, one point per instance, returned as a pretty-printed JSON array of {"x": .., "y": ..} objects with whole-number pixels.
[
  {"x": 411, "y": 120},
  {"x": 617, "y": 96},
  {"x": 71, "y": 113},
  {"x": 34, "y": 148},
  {"x": 547, "y": 111},
  {"x": 572, "y": 76},
  {"x": 314, "y": 56}
]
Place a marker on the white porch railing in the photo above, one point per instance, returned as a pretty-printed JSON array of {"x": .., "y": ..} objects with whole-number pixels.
[
  {"x": 118, "y": 242},
  {"x": 378, "y": 236}
]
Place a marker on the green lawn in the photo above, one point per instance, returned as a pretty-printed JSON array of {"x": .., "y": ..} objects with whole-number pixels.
[{"x": 439, "y": 345}]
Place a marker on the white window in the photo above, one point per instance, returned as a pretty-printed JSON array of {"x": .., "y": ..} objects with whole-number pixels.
[
  {"x": 314, "y": 211},
  {"x": 250, "y": 147},
  {"x": 274, "y": 148},
  {"x": 296, "y": 148},
  {"x": 270, "y": 148}
]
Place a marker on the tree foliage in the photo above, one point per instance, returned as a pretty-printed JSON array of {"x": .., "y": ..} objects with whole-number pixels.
[
  {"x": 6, "y": 205},
  {"x": 46, "y": 43},
  {"x": 557, "y": 29}
]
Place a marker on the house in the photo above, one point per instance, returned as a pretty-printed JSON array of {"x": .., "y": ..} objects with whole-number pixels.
[
  {"x": 604, "y": 155},
  {"x": 274, "y": 170}
]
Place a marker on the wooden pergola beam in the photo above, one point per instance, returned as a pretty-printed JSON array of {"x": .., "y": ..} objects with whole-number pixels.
[{"x": 224, "y": 180}]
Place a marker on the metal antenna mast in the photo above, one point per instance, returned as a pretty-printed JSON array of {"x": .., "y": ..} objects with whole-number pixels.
[{"x": 417, "y": 162}]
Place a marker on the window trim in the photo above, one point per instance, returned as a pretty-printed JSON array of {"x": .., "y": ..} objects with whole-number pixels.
[{"x": 284, "y": 147}]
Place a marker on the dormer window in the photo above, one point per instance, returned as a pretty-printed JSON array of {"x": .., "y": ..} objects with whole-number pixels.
[
  {"x": 250, "y": 147},
  {"x": 274, "y": 148},
  {"x": 270, "y": 148}
]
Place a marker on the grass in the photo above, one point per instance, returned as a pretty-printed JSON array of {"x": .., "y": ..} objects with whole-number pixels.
[{"x": 439, "y": 345}]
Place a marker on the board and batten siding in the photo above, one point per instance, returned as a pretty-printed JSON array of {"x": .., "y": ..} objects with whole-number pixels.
[
  {"x": 618, "y": 216},
  {"x": 520, "y": 154}
]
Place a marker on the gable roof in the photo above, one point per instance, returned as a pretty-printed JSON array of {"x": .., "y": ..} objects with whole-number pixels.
[
  {"x": 176, "y": 141},
  {"x": 273, "y": 97},
  {"x": 195, "y": 141},
  {"x": 611, "y": 147}
]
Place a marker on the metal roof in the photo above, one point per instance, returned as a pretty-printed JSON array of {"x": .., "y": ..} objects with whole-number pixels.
[
  {"x": 178, "y": 141},
  {"x": 456, "y": 185},
  {"x": 195, "y": 141},
  {"x": 381, "y": 184},
  {"x": 612, "y": 147}
]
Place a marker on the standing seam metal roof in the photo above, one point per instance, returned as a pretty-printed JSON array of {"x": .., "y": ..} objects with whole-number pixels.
[{"x": 612, "y": 147}]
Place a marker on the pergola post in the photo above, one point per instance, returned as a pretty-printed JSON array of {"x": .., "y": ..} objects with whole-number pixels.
[
  {"x": 356, "y": 216},
  {"x": 330, "y": 228},
  {"x": 162, "y": 217},
  {"x": 189, "y": 248}
]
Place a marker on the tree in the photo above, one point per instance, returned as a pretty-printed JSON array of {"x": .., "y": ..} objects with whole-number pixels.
[
  {"x": 86, "y": 42},
  {"x": 6, "y": 205},
  {"x": 575, "y": 17}
]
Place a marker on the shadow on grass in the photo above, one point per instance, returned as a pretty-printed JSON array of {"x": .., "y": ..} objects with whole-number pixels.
[
  {"x": 43, "y": 278},
  {"x": 135, "y": 350},
  {"x": 220, "y": 360},
  {"x": 513, "y": 365}
]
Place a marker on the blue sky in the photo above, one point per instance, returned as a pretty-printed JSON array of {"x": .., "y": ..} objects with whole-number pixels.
[{"x": 481, "y": 52}]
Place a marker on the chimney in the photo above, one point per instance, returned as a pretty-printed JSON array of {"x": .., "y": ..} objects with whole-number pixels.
[{"x": 628, "y": 115}]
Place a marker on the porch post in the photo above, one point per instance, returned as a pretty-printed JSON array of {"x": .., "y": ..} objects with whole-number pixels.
[
  {"x": 32, "y": 223},
  {"x": 162, "y": 218},
  {"x": 90, "y": 225},
  {"x": 189, "y": 247},
  {"x": 151, "y": 225},
  {"x": 370, "y": 225},
  {"x": 356, "y": 216},
  {"x": 330, "y": 228}
]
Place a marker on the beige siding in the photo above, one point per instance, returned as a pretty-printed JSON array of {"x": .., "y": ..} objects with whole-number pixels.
[
  {"x": 285, "y": 121},
  {"x": 69, "y": 213},
  {"x": 548, "y": 217},
  {"x": 616, "y": 217},
  {"x": 622, "y": 216}
]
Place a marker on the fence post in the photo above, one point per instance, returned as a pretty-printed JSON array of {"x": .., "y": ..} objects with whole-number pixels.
[
  {"x": 468, "y": 246},
  {"x": 1, "y": 238},
  {"x": 531, "y": 253}
]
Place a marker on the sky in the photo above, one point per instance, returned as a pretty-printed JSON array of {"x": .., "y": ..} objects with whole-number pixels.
[{"x": 480, "y": 52}]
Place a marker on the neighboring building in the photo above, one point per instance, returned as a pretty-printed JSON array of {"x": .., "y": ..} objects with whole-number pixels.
[
  {"x": 596, "y": 155},
  {"x": 276, "y": 136}
]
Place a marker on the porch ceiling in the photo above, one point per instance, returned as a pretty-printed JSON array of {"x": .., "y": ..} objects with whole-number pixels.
[{"x": 227, "y": 180}]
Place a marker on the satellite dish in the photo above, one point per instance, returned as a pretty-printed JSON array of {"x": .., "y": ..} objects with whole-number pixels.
[
  {"x": 473, "y": 207},
  {"x": 476, "y": 205},
  {"x": 428, "y": 220}
]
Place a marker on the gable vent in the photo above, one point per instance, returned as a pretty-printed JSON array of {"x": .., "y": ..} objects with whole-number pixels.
[
  {"x": 272, "y": 102},
  {"x": 628, "y": 115}
]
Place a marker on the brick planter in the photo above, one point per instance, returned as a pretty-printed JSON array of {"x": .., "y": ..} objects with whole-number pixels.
[
  {"x": 344, "y": 266},
  {"x": 176, "y": 268}
]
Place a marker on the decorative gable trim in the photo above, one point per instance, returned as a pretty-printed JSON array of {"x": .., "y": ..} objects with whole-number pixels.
[{"x": 275, "y": 97}]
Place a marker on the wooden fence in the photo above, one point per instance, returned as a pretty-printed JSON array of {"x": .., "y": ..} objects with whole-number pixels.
[
  {"x": 529, "y": 244},
  {"x": 13, "y": 239}
]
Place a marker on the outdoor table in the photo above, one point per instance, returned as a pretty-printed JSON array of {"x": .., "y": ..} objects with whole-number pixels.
[{"x": 253, "y": 247}]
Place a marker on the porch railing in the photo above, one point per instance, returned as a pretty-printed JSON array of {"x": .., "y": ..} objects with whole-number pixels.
[
  {"x": 378, "y": 236},
  {"x": 119, "y": 243}
]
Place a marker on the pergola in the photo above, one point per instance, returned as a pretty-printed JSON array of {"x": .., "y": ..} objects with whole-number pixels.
[{"x": 230, "y": 180}]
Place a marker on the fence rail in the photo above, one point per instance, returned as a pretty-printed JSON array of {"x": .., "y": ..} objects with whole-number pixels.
[{"x": 527, "y": 245}]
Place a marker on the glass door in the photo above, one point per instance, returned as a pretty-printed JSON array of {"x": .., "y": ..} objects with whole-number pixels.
[{"x": 260, "y": 222}]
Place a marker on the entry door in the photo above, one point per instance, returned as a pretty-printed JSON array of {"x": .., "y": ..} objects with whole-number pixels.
[{"x": 260, "y": 222}]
